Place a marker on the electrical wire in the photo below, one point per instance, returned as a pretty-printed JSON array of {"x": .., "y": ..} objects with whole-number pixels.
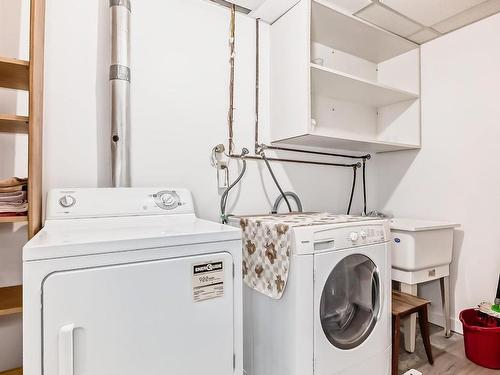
[
  {"x": 355, "y": 169},
  {"x": 364, "y": 186},
  {"x": 276, "y": 181}
]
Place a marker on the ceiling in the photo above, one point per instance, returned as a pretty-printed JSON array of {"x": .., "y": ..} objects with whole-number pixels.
[
  {"x": 424, "y": 20},
  {"x": 417, "y": 20}
]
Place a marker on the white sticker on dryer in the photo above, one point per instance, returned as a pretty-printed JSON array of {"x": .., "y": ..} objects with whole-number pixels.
[{"x": 208, "y": 280}]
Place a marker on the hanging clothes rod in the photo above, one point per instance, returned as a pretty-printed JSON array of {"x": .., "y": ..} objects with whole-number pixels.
[
  {"x": 364, "y": 157},
  {"x": 255, "y": 157}
]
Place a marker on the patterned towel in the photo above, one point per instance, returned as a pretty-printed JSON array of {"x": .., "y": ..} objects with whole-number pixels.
[{"x": 267, "y": 242}]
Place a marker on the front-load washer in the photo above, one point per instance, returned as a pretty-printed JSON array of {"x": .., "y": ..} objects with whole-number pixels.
[
  {"x": 129, "y": 281},
  {"x": 334, "y": 316}
]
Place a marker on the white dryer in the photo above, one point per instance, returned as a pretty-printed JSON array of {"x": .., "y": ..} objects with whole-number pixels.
[
  {"x": 130, "y": 281},
  {"x": 334, "y": 316}
]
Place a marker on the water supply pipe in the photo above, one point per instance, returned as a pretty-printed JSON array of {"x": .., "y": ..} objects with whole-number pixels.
[{"x": 119, "y": 77}]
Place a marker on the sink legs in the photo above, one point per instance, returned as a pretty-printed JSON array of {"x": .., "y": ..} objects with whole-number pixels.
[
  {"x": 410, "y": 323},
  {"x": 445, "y": 299}
]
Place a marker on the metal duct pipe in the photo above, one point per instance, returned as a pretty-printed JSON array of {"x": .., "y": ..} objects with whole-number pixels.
[{"x": 119, "y": 77}]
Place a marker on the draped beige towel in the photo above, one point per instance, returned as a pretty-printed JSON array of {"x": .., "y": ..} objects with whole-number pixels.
[{"x": 267, "y": 244}]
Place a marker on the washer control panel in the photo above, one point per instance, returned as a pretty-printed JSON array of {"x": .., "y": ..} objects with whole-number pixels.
[{"x": 351, "y": 236}]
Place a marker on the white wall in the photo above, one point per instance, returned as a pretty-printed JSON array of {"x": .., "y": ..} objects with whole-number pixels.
[
  {"x": 455, "y": 176},
  {"x": 180, "y": 77},
  {"x": 14, "y": 16}
]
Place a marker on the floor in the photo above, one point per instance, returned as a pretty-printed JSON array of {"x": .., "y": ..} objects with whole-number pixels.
[{"x": 449, "y": 357}]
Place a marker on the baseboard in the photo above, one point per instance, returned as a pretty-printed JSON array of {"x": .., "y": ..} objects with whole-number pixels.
[{"x": 438, "y": 319}]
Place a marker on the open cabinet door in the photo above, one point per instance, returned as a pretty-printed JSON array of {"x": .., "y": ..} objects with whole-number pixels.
[{"x": 139, "y": 318}]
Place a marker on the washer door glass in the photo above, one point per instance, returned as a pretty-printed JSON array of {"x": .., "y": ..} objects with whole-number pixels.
[{"x": 350, "y": 302}]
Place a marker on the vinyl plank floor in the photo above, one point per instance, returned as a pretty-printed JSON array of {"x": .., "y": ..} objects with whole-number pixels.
[{"x": 449, "y": 357}]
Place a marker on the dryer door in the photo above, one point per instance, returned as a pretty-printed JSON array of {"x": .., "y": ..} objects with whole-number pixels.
[
  {"x": 151, "y": 318},
  {"x": 349, "y": 304}
]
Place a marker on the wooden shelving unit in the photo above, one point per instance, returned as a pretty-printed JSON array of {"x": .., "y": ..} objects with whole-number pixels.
[
  {"x": 14, "y": 74},
  {"x": 17, "y": 371},
  {"x": 13, "y": 219},
  {"x": 11, "y": 300},
  {"x": 28, "y": 76},
  {"x": 14, "y": 124}
]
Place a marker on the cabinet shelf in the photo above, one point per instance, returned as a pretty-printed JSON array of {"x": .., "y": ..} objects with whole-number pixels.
[
  {"x": 337, "y": 30},
  {"x": 14, "y": 74},
  {"x": 338, "y": 85},
  {"x": 16, "y": 371},
  {"x": 11, "y": 300},
  {"x": 340, "y": 142},
  {"x": 13, "y": 124}
]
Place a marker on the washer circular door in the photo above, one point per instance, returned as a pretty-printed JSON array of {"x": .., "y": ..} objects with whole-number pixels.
[{"x": 350, "y": 301}]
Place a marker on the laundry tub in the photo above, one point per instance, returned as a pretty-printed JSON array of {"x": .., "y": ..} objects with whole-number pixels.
[
  {"x": 422, "y": 252},
  {"x": 421, "y": 244}
]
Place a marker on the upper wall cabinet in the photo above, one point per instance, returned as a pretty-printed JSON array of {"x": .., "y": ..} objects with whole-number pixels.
[{"x": 339, "y": 82}]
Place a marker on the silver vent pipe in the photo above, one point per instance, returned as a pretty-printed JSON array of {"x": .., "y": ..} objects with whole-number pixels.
[{"x": 119, "y": 77}]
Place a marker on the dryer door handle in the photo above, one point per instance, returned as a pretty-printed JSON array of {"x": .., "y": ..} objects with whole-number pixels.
[{"x": 66, "y": 348}]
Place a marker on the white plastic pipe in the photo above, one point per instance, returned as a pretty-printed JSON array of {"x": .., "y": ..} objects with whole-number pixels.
[{"x": 119, "y": 76}]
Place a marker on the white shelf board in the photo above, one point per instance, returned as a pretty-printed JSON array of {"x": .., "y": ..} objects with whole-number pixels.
[
  {"x": 339, "y": 85},
  {"x": 339, "y": 30},
  {"x": 343, "y": 143}
]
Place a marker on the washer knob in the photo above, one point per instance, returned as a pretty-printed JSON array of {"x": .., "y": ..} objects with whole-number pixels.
[
  {"x": 67, "y": 201},
  {"x": 354, "y": 236}
]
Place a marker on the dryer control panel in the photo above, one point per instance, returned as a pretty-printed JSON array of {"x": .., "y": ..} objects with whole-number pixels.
[{"x": 115, "y": 202}]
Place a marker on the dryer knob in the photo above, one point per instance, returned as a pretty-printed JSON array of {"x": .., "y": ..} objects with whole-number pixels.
[
  {"x": 167, "y": 200},
  {"x": 67, "y": 201},
  {"x": 354, "y": 236}
]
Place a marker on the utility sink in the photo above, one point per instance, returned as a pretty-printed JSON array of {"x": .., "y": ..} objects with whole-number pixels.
[{"x": 421, "y": 244}]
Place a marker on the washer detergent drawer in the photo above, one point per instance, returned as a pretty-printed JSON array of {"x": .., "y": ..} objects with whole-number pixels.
[{"x": 162, "y": 317}]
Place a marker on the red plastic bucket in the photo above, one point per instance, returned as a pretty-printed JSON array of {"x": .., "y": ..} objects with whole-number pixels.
[{"x": 482, "y": 339}]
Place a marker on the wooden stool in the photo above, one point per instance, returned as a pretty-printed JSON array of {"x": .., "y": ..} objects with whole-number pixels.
[{"x": 404, "y": 305}]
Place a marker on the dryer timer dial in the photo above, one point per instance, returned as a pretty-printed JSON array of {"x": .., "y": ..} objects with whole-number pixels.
[{"x": 167, "y": 200}]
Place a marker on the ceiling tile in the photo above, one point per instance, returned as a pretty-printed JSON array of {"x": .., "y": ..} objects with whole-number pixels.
[
  {"x": 249, "y": 4},
  {"x": 386, "y": 19},
  {"x": 430, "y": 12},
  {"x": 423, "y": 36},
  {"x": 350, "y": 6},
  {"x": 465, "y": 18}
]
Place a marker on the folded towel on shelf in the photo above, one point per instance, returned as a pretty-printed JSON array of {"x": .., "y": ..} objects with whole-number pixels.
[
  {"x": 13, "y": 208},
  {"x": 13, "y": 197},
  {"x": 12, "y": 182}
]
